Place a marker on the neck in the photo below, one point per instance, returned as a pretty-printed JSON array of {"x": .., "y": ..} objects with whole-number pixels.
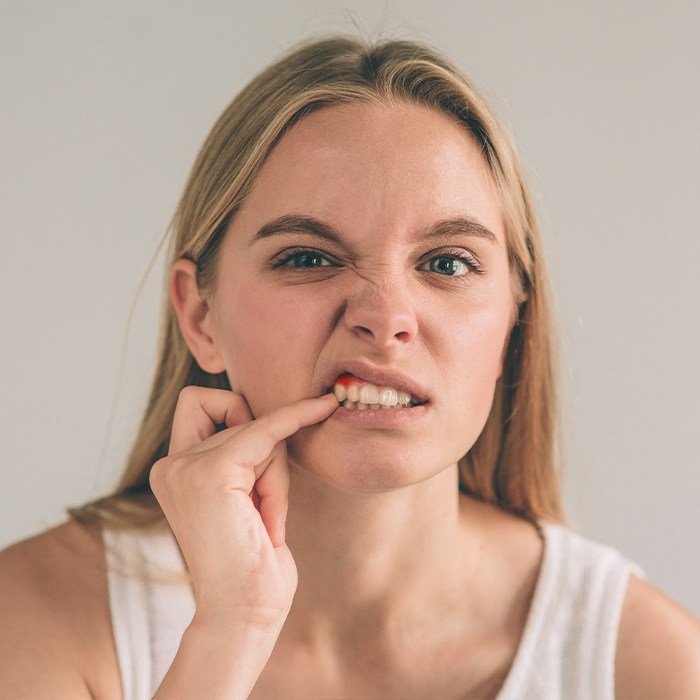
[{"x": 380, "y": 568}]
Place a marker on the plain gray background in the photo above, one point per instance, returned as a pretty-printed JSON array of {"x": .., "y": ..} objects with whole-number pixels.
[{"x": 105, "y": 105}]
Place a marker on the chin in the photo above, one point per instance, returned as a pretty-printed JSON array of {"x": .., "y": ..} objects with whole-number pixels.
[{"x": 362, "y": 471}]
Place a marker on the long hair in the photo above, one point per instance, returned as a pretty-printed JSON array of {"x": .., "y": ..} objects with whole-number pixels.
[{"x": 516, "y": 461}]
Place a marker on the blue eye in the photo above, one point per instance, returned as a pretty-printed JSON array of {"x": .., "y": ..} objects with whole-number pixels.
[{"x": 309, "y": 256}]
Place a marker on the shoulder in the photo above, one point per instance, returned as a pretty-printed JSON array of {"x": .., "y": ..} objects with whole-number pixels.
[
  {"x": 658, "y": 647},
  {"x": 61, "y": 567},
  {"x": 53, "y": 603}
]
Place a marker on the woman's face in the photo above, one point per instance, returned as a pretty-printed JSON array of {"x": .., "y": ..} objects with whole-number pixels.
[{"x": 379, "y": 176}]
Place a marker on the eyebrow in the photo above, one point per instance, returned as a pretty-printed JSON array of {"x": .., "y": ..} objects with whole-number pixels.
[{"x": 290, "y": 223}]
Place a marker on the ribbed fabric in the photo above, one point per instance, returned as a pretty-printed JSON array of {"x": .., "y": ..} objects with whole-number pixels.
[
  {"x": 567, "y": 650},
  {"x": 148, "y": 619}
]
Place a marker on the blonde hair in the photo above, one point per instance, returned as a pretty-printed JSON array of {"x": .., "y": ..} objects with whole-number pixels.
[{"x": 516, "y": 461}]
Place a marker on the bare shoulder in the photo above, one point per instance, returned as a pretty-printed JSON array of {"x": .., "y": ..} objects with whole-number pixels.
[
  {"x": 53, "y": 603},
  {"x": 658, "y": 648}
]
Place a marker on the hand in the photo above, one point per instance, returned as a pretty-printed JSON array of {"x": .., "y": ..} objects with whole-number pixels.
[{"x": 225, "y": 496}]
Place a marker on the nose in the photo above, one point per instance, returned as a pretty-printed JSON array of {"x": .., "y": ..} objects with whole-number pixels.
[{"x": 382, "y": 315}]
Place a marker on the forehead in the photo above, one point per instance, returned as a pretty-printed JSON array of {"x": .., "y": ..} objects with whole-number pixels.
[{"x": 362, "y": 167}]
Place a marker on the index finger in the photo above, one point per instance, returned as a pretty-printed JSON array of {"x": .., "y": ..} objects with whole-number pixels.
[{"x": 253, "y": 443}]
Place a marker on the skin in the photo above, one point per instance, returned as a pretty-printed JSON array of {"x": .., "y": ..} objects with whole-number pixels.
[
  {"x": 427, "y": 580},
  {"x": 386, "y": 499}
]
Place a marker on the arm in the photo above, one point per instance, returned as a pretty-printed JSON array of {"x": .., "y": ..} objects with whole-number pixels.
[
  {"x": 658, "y": 647},
  {"x": 220, "y": 662},
  {"x": 39, "y": 656}
]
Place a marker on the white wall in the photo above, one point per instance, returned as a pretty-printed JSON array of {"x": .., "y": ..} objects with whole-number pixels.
[{"x": 104, "y": 106}]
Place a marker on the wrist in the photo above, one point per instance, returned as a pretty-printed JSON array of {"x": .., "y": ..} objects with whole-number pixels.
[{"x": 232, "y": 628}]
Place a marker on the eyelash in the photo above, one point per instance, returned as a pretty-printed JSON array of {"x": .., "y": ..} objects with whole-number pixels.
[{"x": 466, "y": 258}]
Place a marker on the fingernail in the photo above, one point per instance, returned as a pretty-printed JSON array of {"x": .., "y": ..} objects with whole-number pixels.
[
  {"x": 327, "y": 396},
  {"x": 281, "y": 534}
]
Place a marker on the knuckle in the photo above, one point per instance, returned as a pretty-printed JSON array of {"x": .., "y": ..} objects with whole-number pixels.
[
  {"x": 164, "y": 471},
  {"x": 156, "y": 469},
  {"x": 187, "y": 392},
  {"x": 155, "y": 475},
  {"x": 176, "y": 466},
  {"x": 212, "y": 478},
  {"x": 243, "y": 478}
]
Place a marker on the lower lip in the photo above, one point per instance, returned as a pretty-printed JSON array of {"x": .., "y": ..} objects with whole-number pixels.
[{"x": 380, "y": 417}]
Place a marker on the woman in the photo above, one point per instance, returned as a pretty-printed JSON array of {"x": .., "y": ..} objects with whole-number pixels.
[{"x": 357, "y": 223}]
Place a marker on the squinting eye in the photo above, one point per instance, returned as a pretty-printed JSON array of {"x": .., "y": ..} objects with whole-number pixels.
[
  {"x": 303, "y": 255},
  {"x": 309, "y": 255}
]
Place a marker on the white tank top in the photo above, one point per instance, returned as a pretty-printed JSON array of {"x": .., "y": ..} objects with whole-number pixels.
[{"x": 567, "y": 650}]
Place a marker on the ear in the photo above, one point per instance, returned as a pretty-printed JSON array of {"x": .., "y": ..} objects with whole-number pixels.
[{"x": 194, "y": 316}]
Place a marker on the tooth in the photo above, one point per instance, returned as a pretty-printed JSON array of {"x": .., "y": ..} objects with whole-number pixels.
[
  {"x": 369, "y": 394},
  {"x": 388, "y": 396},
  {"x": 363, "y": 406},
  {"x": 404, "y": 397}
]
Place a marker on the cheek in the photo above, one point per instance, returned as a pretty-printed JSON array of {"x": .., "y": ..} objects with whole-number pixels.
[
  {"x": 268, "y": 334},
  {"x": 476, "y": 362},
  {"x": 280, "y": 318},
  {"x": 479, "y": 344}
]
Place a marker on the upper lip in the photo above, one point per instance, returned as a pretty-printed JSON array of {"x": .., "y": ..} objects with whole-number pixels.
[{"x": 381, "y": 376}]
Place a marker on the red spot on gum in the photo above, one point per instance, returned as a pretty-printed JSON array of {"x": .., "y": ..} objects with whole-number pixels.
[{"x": 346, "y": 379}]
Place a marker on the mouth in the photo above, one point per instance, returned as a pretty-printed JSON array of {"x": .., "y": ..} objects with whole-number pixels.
[{"x": 355, "y": 392}]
